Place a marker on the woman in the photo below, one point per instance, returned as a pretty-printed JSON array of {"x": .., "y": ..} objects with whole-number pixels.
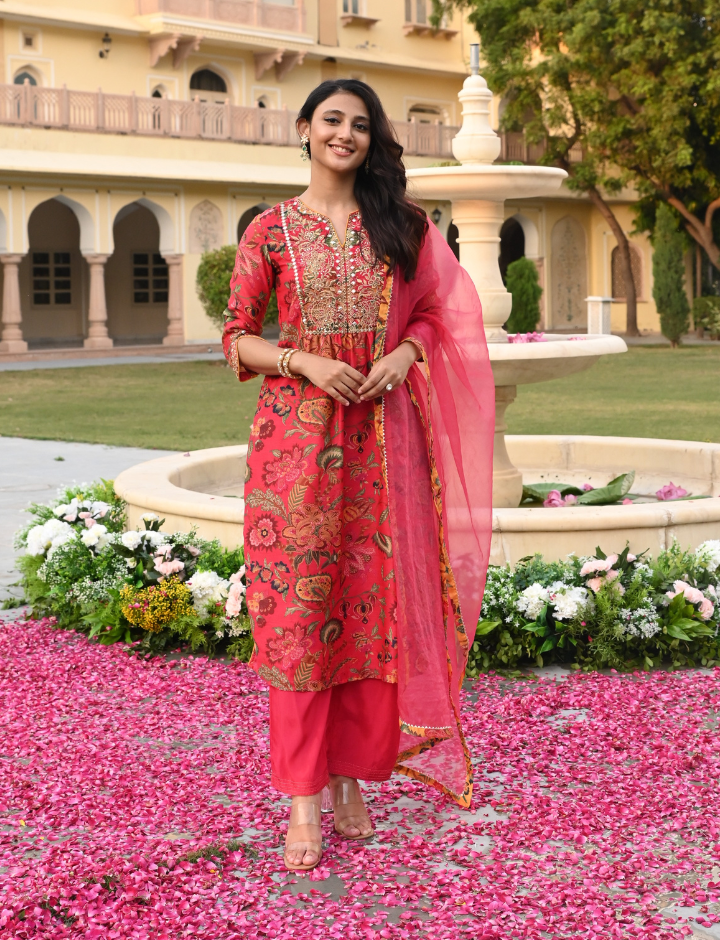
[{"x": 368, "y": 488}]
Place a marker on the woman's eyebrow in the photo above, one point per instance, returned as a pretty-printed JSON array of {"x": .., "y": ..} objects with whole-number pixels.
[{"x": 358, "y": 117}]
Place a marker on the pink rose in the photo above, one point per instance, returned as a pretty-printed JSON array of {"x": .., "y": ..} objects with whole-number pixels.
[
  {"x": 586, "y": 487},
  {"x": 670, "y": 491},
  {"x": 706, "y": 609},
  {"x": 595, "y": 584},
  {"x": 168, "y": 567},
  {"x": 627, "y": 502},
  {"x": 570, "y": 499},
  {"x": 233, "y": 605},
  {"x": 553, "y": 499}
]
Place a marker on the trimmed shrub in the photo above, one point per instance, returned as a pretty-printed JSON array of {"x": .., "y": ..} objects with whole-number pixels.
[
  {"x": 669, "y": 276},
  {"x": 213, "y": 285},
  {"x": 523, "y": 283},
  {"x": 706, "y": 315}
]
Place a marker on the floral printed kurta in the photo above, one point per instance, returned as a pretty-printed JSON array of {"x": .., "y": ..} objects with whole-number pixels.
[{"x": 320, "y": 580}]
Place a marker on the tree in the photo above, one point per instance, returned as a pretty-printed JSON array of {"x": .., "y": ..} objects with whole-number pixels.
[
  {"x": 213, "y": 285},
  {"x": 523, "y": 283},
  {"x": 669, "y": 276},
  {"x": 531, "y": 58},
  {"x": 634, "y": 83}
]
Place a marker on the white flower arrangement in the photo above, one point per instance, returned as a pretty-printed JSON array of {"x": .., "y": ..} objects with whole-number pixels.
[
  {"x": 96, "y": 538},
  {"x": 208, "y": 590},
  {"x": 44, "y": 539},
  {"x": 565, "y": 598},
  {"x": 708, "y": 555}
]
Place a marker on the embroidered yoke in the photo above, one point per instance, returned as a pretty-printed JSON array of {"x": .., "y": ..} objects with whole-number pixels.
[{"x": 320, "y": 580}]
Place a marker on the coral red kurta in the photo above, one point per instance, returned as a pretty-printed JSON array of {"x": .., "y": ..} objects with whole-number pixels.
[{"x": 320, "y": 579}]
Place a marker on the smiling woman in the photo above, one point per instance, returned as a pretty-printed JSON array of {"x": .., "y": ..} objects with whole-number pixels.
[{"x": 361, "y": 541}]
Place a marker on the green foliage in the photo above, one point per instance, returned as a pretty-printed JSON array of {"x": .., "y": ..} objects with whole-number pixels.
[
  {"x": 634, "y": 82},
  {"x": 669, "y": 276},
  {"x": 524, "y": 285},
  {"x": 624, "y": 620},
  {"x": 615, "y": 490},
  {"x": 225, "y": 561},
  {"x": 213, "y": 285},
  {"x": 706, "y": 315}
]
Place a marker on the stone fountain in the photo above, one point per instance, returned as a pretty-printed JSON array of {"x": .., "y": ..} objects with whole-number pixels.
[
  {"x": 205, "y": 488},
  {"x": 477, "y": 190}
]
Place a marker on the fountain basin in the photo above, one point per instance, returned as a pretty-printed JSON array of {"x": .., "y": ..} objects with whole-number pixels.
[
  {"x": 204, "y": 489},
  {"x": 560, "y": 355},
  {"x": 473, "y": 181}
]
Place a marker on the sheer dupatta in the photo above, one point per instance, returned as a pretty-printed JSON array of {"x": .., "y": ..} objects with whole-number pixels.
[{"x": 439, "y": 475}]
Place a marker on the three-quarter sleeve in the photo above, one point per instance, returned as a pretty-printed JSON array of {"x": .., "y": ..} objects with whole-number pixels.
[{"x": 251, "y": 284}]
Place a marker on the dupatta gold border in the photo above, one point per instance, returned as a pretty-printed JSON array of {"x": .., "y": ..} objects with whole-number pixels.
[{"x": 450, "y": 599}]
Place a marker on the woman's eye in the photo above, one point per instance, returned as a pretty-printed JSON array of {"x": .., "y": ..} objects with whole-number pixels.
[
  {"x": 332, "y": 120},
  {"x": 362, "y": 127}
]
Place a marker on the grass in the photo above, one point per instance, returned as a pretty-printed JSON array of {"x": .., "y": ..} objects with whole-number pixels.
[{"x": 648, "y": 392}]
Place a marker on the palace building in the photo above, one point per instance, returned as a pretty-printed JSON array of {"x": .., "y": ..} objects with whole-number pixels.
[{"x": 137, "y": 134}]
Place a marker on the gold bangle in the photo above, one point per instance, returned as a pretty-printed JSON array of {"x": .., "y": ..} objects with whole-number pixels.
[{"x": 291, "y": 375}]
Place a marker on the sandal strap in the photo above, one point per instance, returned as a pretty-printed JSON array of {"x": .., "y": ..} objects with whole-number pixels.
[
  {"x": 305, "y": 814},
  {"x": 346, "y": 793}
]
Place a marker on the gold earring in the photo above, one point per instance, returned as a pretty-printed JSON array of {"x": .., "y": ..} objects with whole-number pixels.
[{"x": 304, "y": 141}]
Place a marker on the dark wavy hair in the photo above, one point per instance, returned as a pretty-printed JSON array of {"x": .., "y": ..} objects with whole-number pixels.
[{"x": 395, "y": 225}]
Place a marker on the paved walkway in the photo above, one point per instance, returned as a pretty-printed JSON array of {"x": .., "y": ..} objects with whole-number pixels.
[
  {"x": 30, "y": 471},
  {"x": 107, "y": 361}
]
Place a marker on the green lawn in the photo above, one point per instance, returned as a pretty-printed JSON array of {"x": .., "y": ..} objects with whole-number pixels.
[{"x": 648, "y": 392}]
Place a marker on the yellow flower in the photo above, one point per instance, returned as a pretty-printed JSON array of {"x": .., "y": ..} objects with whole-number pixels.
[{"x": 153, "y": 607}]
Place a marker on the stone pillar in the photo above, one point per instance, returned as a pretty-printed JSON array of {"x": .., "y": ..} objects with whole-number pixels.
[
  {"x": 507, "y": 480},
  {"x": 12, "y": 339},
  {"x": 97, "y": 337},
  {"x": 176, "y": 328},
  {"x": 599, "y": 315}
]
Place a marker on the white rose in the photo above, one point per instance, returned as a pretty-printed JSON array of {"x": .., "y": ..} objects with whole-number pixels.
[
  {"x": 42, "y": 538},
  {"x": 96, "y": 538},
  {"x": 156, "y": 539},
  {"x": 567, "y": 600},
  {"x": 208, "y": 588},
  {"x": 131, "y": 540},
  {"x": 532, "y": 600},
  {"x": 150, "y": 517},
  {"x": 708, "y": 554}
]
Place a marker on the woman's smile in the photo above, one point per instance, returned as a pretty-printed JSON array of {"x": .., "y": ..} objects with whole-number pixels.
[{"x": 340, "y": 150}]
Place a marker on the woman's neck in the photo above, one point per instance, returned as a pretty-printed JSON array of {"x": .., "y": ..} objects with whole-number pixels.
[{"x": 333, "y": 194}]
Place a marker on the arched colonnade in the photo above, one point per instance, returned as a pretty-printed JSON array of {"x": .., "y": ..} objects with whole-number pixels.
[{"x": 66, "y": 258}]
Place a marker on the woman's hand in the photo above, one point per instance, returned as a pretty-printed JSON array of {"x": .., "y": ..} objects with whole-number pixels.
[
  {"x": 390, "y": 370},
  {"x": 333, "y": 376}
]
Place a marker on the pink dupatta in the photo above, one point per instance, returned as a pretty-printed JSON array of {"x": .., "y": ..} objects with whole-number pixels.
[{"x": 439, "y": 473}]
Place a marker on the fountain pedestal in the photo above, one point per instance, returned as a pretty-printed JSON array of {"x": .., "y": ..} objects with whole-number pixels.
[{"x": 477, "y": 190}]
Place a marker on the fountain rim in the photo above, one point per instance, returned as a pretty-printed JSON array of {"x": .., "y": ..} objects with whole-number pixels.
[
  {"x": 589, "y": 344},
  {"x": 488, "y": 169}
]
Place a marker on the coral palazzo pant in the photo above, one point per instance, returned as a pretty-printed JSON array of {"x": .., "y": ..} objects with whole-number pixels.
[{"x": 351, "y": 729}]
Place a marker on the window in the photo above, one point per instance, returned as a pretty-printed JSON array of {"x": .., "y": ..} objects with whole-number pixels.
[
  {"x": 352, "y": 6},
  {"x": 150, "y": 278},
  {"x": 51, "y": 278},
  {"x": 416, "y": 11},
  {"x": 207, "y": 80},
  {"x": 28, "y": 41},
  {"x": 425, "y": 114},
  {"x": 23, "y": 77}
]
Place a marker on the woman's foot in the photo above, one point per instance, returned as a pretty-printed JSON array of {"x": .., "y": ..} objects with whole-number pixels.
[
  {"x": 351, "y": 816},
  {"x": 303, "y": 843}
]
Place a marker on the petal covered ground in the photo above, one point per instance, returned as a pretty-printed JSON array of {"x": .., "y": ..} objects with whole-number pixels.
[{"x": 134, "y": 803}]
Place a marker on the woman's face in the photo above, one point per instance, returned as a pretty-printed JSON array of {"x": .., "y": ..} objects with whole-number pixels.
[{"x": 339, "y": 133}]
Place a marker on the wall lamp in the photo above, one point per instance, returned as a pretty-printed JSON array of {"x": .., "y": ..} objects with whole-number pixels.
[
  {"x": 105, "y": 51},
  {"x": 436, "y": 215}
]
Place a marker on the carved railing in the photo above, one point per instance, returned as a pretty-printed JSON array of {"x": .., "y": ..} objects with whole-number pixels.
[
  {"x": 515, "y": 149},
  {"x": 288, "y": 17},
  {"x": 97, "y": 112}
]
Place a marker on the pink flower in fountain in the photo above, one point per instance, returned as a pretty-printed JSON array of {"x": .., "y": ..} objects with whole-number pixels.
[
  {"x": 527, "y": 338},
  {"x": 670, "y": 491},
  {"x": 553, "y": 499},
  {"x": 587, "y": 487}
]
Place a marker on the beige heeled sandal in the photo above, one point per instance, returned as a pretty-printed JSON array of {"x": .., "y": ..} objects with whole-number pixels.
[
  {"x": 304, "y": 818},
  {"x": 347, "y": 797}
]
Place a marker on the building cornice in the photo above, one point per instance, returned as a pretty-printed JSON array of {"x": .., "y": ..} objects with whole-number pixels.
[
  {"x": 70, "y": 18},
  {"x": 239, "y": 37}
]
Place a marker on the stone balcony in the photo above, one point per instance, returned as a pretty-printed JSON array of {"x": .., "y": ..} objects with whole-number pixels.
[
  {"x": 96, "y": 112},
  {"x": 285, "y": 17}
]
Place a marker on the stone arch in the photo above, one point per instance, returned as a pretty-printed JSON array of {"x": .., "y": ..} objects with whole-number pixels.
[
  {"x": 532, "y": 236},
  {"x": 568, "y": 262},
  {"x": 164, "y": 219},
  {"x": 618, "y": 283},
  {"x": 85, "y": 221},
  {"x": 136, "y": 278},
  {"x": 247, "y": 217},
  {"x": 30, "y": 73},
  {"x": 206, "y": 227},
  {"x": 216, "y": 94},
  {"x": 512, "y": 244},
  {"x": 53, "y": 275}
]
